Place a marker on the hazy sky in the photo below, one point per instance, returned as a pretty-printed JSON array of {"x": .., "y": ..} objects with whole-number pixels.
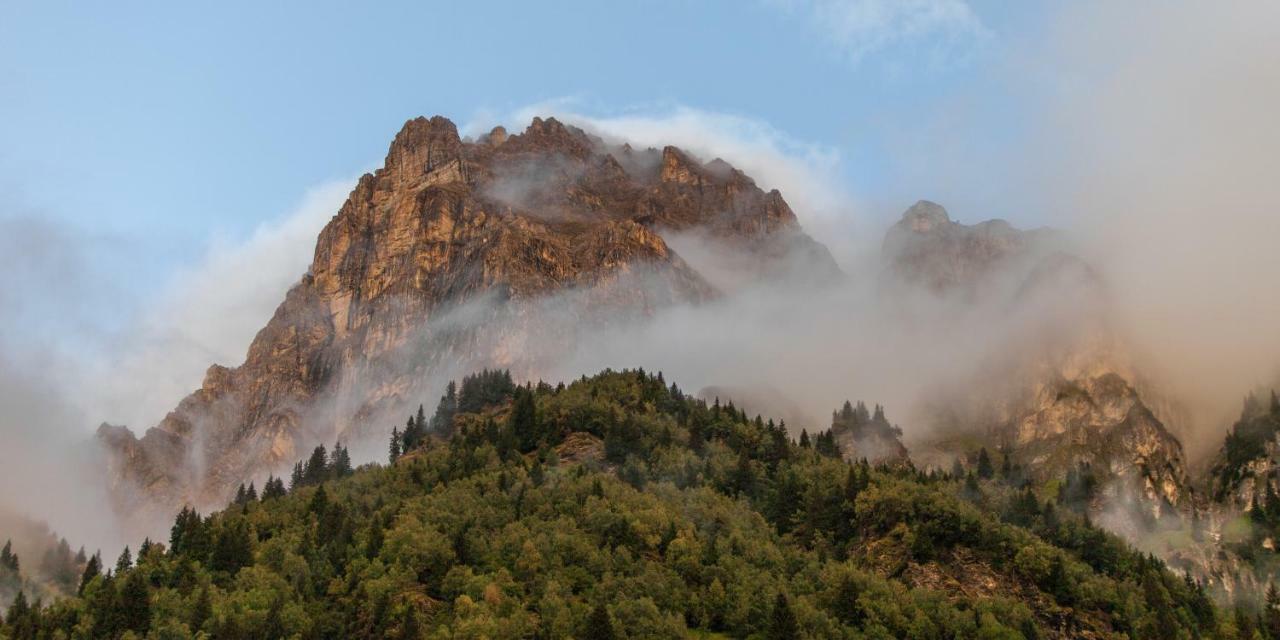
[{"x": 168, "y": 124}]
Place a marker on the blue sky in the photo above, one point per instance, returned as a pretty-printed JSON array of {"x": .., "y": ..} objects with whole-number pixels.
[{"x": 167, "y": 124}]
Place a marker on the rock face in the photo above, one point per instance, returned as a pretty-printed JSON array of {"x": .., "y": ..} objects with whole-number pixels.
[
  {"x": 1071, "y": 397},
  {"x": 453, "y": 256},
  {"x": 926, "y": 248}
]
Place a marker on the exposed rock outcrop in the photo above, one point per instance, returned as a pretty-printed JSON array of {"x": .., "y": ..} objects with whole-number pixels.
[
  {"x": 1060, "y": 396},
  {"x": 453, "y": 256}
]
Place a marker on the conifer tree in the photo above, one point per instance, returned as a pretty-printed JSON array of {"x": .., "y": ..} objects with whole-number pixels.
[
  {"x": 316, "y": 470},
  {"x": 393, "y": 452},
  {"x": 340, "y": 462},
  {"x": 135, "y": 604},
  {"x": 18, "y": 612},
  {"x": 92, "y": 569},
  {"x": 524, "y": 420},
  {"x": 202, "y": 610},
  {"x": 1271, "y": 613},
  {"x": 442, "y": 419},
  {"x": 9, "y": 559},
  {"x": 599, "y": 626},
  {"x": 782, "y": 624},
  {"x": 985, "y": 469},
  {"x": 124, "y": 562}
]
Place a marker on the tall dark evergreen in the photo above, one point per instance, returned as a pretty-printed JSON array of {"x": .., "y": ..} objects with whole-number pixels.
[
  {"x": 9, "y": 559},
  {"x": 599, "y": 626},
  {"x": 782, "y": 622},
  {"x": 340, "y": 462},
  {"x": 124, "y": 562},
  {"x": 524, "y": 420},
  {"x": 92, "y": 569},
  {"x": 135, "y": 604},
  {"x": 442, "y": 419},
  {"x": 985, "y": 469}
]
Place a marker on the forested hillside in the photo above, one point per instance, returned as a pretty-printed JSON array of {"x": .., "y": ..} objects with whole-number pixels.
[{"x": 619, "y": 507}]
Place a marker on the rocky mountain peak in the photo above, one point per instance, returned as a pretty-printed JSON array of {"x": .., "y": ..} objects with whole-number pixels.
[
  {"x": 422, "y": 145},
  {"x": 455, "y": 255},
  {"x": 924, "y": 216}
]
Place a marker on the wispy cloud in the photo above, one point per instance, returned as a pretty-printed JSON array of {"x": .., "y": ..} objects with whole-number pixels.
[
  {"x": 945, "y": 30},
  {"x": 809, "y": 174}
]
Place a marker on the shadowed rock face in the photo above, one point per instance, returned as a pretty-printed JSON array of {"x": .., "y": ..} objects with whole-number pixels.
[
  {"x": 1073, "y": 398},
  {"x": 453, "y": 256}
]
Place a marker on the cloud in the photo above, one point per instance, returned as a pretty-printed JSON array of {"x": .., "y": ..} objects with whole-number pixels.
[
  {"x": 860, "y": 28},
  {"x": 807, "y": 173},
  {"x": 1158, "y": 148},
  {"x": 76, "y": 350},
  {"x": 208, "y": 314}
]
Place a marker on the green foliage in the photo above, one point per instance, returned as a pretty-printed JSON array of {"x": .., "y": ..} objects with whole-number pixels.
[{"x": 489, "y": 533}]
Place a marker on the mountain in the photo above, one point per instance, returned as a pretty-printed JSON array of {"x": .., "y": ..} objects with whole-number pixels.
[
  {"x": 1059, "y": 397},
  {"x": 455, "y": 255},
  {"x": 691, "y": 521}
]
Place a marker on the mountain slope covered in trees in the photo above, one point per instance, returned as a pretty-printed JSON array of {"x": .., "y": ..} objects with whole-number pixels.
[{"x": 619, "y": 507}]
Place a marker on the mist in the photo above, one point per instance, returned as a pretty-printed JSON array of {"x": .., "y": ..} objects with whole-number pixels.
[
  {"x": 1150, "y": 141},
  {"x": 1162, "y": 160}
]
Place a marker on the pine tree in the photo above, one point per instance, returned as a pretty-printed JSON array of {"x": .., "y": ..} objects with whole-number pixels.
[
  {"x": 409, "y": 437},
  {"x": 201, "y": 610},
  {"x": 316, "y": 470},
  {"x": 340, "y": 462},
  {"x": 18, "y": 612},
  {"x": 804, "y": 439},
  {"x": 782, "y": 624},
  {"x": 233, "y": 547},
  {"x": 524, "y": 420},
  {"x": 985, "y": 469},
  {"x": 135, "y": 604},
  {"x": 599, "y": 626},
  {"x": 9, "y": 559},
  {"x": 442, "y": 419},
  {"x": 124, "y": 561},
  {"x": 92, "y": 569},
  {"x": 393, "y": 452},
  {"x": 1271, "y": 614},
  {"x": 274, "y": 488}
]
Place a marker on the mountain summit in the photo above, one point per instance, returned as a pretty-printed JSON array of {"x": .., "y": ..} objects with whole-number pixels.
[{"x": 456, "y": 254}]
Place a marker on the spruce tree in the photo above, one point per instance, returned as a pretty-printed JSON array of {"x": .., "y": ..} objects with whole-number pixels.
[
  {"x": 393, "y": 451},
  {"x": 1271, "y": 614},
  {"x": 9, "y": 559},
  {"x": 524, "y": 420},
  {"x": 92, "y": 569},
  {"x": 340, "y": 462},
  {"x": 782, "y": 624},
  {"x": 135, "y": 604},
  {"x": 599, "y": 626},
  {"x": 985, "y": 469},
  {"x": 124, "y": 561},
  {"x": 202, "y": 610}
]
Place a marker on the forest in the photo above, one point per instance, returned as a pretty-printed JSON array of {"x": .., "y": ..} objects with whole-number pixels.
[{"x": 618, "y": 506}]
